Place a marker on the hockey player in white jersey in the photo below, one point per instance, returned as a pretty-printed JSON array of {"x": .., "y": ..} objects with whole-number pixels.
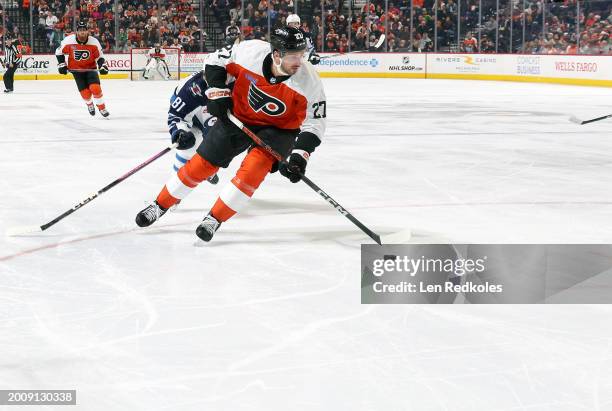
[
  {"x": 274, "y": 92},
  {"x": 293, "y": 20},
  {"x": 156, "y": 60}
]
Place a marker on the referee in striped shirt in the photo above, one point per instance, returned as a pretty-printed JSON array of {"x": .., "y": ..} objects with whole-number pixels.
[{"x": 12, "y": 58}]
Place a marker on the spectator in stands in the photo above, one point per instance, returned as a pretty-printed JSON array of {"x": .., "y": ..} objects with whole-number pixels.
[
  {"x": 150, "y": 36},
  {"x": 176, "y": 44},
  {"x": 51, "y": 21},
  {"x": 166, "y": 20},
  {"x": 122, "y": 41},
  {"x": 424, "y": 44},
  {"x": 235, "y": 13},
  {"x": 470, "y": 44}
]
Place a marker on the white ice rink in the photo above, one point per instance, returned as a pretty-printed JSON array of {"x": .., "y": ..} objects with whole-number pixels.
[{"x": 268, "y": 316}]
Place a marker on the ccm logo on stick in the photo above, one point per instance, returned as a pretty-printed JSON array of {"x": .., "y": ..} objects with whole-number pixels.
[{"x": 332, "y": 202}]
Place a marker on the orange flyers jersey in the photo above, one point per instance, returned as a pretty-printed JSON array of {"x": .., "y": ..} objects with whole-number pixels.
[
  {"x": 296, "y": 103},
  {"x": 81, "y": 57}
]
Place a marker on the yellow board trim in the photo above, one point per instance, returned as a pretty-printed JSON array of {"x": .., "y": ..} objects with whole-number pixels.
[
  {"x": 484, "y": 77},
  {"x": 112, "y": 76},
  {"x": 523, "y": 79},
  {"x": 65, "y": 77}
]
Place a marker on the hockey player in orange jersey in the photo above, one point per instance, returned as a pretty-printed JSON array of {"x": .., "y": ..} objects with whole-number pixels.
[
  {"x": 272, "y": 90},
  {"x": 85, "y": 59}
]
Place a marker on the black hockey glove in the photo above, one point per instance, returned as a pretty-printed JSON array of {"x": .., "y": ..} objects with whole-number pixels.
[
  {"x": 103, "y": 69},
  {"x": 102, "y": 66},
  {"x": 62, "y": 68},
  {"x": 219, "y": 102},
  {"x": 314, "y": 58},
  {"x": 295, "y": 166},
  {"x": 305, "y": 144},
  {"x": 185, "y": 139}
]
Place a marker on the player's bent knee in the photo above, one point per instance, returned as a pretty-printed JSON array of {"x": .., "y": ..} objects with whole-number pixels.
[
  {"x": 86, "y": 94},
  {"x": 95, "y": 89},
  {"x": 196, "y": 170},
  {"x": 253, "y": 170}
]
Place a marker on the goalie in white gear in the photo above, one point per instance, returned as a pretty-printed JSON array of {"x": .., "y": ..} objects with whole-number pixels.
[{"x": 156, "y": 60}]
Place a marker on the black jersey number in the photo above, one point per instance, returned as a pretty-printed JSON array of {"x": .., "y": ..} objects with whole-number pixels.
[
  {"x": 320, "y": 109},
  {"x": 225, "y": 52}
]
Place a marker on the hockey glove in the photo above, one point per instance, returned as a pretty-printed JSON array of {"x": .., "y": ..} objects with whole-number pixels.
[
  {"x": 62, "y": 68},
  {"x": 103, "y": 69},
  {"x": 295, "y": 166},
  {"x": 314, "y": 58},
  {"x": 219, "y": 102},
  {"x": 184, "y": 139}
]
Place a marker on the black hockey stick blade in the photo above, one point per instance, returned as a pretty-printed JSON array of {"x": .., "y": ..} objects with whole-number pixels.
[
  {"x": 576, "y": 120},
  {"x": 306, "y": 180}
]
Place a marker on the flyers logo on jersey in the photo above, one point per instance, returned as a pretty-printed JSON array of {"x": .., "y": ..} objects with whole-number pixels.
[
  {"x": 81, "y": 55},
  {"x": 260, "y": 101}
]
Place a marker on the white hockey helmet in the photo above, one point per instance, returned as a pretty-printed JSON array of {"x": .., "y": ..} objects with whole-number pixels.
[{"x": 293, "y": 18}]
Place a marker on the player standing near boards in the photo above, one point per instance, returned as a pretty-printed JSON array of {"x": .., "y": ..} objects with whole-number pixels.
[
  {"x": 293, "y": 20},
  {"x": 85, "y": 58},
  {"x": 277, "y": 95},
  {"x": 12, "y": 58}
]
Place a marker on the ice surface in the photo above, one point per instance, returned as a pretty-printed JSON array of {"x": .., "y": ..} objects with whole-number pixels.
[{"x": 267, "y": 316}]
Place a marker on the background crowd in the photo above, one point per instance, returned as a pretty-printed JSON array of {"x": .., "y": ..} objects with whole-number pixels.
[{"x": 485, "y": 26}]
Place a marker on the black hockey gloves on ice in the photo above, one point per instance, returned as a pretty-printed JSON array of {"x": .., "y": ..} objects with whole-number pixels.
[
  {"x": 295, "y": 166},
  {"x": 62, "y": 68},
  {"x": 185, "y": 139},
  {"x": 219, "y": 102}
]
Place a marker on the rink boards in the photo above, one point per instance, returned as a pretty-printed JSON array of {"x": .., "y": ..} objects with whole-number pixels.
[{"x": 561, "y": 69}]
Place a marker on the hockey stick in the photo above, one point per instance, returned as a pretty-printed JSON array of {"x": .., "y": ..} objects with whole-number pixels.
[
  {"x": 14, "y": 231},
  {"x": 379, "y": 43},
  {"x": 576, "y": 120},
  {"x": 305, "y": 179}
]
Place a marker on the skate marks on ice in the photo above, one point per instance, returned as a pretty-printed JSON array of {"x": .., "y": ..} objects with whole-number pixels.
[
  {"x": 420, "y": 110},
  {"x": 72, "y": 238}
]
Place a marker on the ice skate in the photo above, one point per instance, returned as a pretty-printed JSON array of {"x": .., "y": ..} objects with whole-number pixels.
[
  {"x": 207, "y": 228},
  {"x": 150, "y": 214}
]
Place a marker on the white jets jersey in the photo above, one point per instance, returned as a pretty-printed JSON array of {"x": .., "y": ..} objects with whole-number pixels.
[{"x": 261, "y": 99}]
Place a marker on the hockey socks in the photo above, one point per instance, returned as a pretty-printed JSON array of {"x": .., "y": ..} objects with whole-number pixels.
[{"x": 188, "y": 177}]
